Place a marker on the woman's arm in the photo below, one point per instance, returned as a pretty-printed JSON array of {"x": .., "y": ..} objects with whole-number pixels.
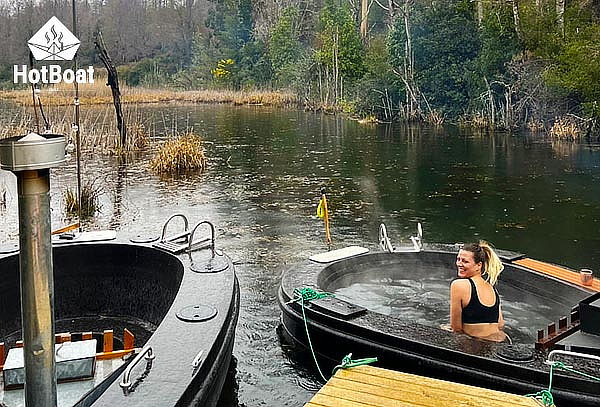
[
  {"x": 500, "y": 318},
  {"x": 456, "y": 294}
]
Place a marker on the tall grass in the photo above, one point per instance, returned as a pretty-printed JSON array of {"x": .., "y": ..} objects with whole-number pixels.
[
  {"x": 90, "y": 193},
  {"x": 97, "y": 128},
  {"x": 98, "y": 93},
  {"x": 180, "y": 155}
]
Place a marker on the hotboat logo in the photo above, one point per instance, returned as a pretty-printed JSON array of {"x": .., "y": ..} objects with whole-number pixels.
[{"x": 53, "y": 42}]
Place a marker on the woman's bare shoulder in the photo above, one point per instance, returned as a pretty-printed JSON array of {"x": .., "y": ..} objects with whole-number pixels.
[{"x": 460, "y": 284}]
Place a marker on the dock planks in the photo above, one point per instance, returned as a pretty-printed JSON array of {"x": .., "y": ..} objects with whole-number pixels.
[
  {"x": 368, "y": 386},
  {"x": 557, "y": 272}
]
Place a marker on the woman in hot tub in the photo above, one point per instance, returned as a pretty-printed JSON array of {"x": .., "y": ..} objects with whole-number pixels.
[{"x": 474, "y": 301}]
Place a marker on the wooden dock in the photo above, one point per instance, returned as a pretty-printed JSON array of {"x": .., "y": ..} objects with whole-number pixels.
[
  {"x": 557, "y": 272},
  {"x": 367, "y": 386}
]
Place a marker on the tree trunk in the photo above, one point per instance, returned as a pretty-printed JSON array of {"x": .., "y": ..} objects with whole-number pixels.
[
  {"x": 479, "y": 12},
  {"x": 391, "y": 12},
  {"x": 113, "y": 82},
  {"x": 364, "y": 19},
  {"x": 560, "y": 17},
  {"x": 517, "y": 19},
  {"x": 412, "y": 103}
]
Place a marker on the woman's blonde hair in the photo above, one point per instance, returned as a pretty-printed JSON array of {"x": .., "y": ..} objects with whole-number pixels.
[{"x": 484, "y": 253}]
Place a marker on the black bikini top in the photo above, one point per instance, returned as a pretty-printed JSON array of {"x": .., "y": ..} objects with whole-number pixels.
[{"x": 477, "y": 313}]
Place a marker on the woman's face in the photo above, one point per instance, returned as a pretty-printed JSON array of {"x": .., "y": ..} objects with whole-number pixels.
[{"x": 466, "y": 266}]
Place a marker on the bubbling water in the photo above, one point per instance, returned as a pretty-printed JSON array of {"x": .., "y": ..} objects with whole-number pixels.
[{"x": 426, "y": 300}]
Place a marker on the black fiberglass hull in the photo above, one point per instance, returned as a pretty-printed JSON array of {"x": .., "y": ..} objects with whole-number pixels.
[{"x": 408, "y": 346}]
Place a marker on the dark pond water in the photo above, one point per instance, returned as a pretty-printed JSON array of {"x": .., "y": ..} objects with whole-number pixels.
[{"x": 262, "y": 187}]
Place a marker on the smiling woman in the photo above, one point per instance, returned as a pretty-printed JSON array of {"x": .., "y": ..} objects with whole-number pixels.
[{"x": 474, "y": 301}]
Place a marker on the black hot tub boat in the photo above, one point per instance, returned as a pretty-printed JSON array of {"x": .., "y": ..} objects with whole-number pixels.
[
  {"x": 411, "y": 338},
  {"x": 181, "y": 306}
]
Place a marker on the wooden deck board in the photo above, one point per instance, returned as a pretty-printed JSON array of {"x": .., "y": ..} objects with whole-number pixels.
[
  {"x": 557, "y": 271},
  {"x": 367, "y": 386}
]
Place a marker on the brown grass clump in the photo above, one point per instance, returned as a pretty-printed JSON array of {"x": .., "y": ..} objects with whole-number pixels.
[
  {"x": 89, "y": 200},
  {"x": 535, "y": 126},
  {"x": 435, "y": 117},
  {"x": 565, "y": 128},
  {"x": 180, "y": 155}
]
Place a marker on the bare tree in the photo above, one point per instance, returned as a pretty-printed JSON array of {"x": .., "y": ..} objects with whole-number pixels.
[
  {"x": 560, "y": 16},
  {"x": 517, "y": 19}
]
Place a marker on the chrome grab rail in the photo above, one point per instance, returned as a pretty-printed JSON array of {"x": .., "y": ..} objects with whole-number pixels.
[
  {"x": 185, "y": 233},
  {"x": 386, "y": 245},
  {"x": 384, "y": 240},
  {"x": 417, "y": 240},
  {"x": 147, "y": 352},
  {"x": 549, "y": 361},
  {"x": 192, "y": 245}
]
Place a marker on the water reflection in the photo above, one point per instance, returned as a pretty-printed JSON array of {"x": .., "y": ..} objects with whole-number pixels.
[{"x": 266, "y": 167}]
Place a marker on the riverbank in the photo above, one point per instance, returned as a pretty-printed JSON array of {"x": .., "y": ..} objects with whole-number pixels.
[{"x": 98, "y": 93}]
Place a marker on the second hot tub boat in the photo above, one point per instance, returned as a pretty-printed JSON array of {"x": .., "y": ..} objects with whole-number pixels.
[{"x": 401, "y": 326}]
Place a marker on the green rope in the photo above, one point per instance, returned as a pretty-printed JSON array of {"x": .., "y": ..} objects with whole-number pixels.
[
  {"x": 308, "y": 294},
  {"x": 347, "y": 362},
  {"x": 545, "y": 396}
]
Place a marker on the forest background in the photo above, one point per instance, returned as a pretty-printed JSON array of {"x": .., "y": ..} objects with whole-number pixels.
[{"x": 489, "y": 63}]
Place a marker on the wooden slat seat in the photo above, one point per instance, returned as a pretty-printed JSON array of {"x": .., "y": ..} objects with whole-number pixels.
[
  {"x": 557, "y": 272},
  {"x": 368, "y": 386}
]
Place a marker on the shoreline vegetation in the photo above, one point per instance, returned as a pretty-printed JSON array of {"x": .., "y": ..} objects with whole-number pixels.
[
  {"x": 102, "y": 135},
  {"x": 99, "y": 94},
  {"x": 488, "y": 65}
]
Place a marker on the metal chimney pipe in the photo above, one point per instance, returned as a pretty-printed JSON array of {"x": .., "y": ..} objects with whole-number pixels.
[
  {"x": 37, "y": 287},
  {"x": 30, "y": 158}
]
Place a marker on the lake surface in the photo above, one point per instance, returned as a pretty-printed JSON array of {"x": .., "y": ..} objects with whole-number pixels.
[{"x": 266, "y": 167}]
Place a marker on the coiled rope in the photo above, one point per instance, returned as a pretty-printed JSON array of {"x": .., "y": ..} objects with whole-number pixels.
[{"x": 544, "y": 397}]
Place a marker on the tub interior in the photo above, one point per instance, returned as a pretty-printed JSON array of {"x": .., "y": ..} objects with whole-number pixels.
[
  {"x": 98, "y": 287},
  {"x": 416, "y": 287}
]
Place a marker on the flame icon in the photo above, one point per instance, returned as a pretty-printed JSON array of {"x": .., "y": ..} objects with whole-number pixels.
[{"x": 53, "y": 42}]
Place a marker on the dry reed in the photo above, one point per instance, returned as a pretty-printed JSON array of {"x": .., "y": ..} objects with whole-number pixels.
[
  {"x": 90, "y": 193},
  {"x": 180, "y": 155},
  {"x": 565, "y": 128},
  {"x": 98, "y": 93},
  {"x": 535, "y": 126},
  {"x": 435, "y": 117},
  {"x": 97, "y": 128}
]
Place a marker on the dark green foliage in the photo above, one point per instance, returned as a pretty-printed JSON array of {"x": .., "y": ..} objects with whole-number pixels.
[
  {"x": 338, "y": 37},
  {"x": 499, "y": 43},
  {"x": 232, "y": 37},
  {"x": 379, "y": 91},
  {"x": 150, "y": 71},
  {"x": 575, "y": 69},
  {"x": 445, "y": 44},
  {"x": 285, "y": 48}
]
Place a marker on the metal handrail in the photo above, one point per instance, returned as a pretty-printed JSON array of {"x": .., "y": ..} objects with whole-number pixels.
[
  {"x": 384, "y": 240},
  {"x": 147, "y": 352},
  {"x": 549, "y": 361},
  {"x": 386, "y": 245},
  {"x": 212, "y": 238},
  {"x": 185, "y": 233}
]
